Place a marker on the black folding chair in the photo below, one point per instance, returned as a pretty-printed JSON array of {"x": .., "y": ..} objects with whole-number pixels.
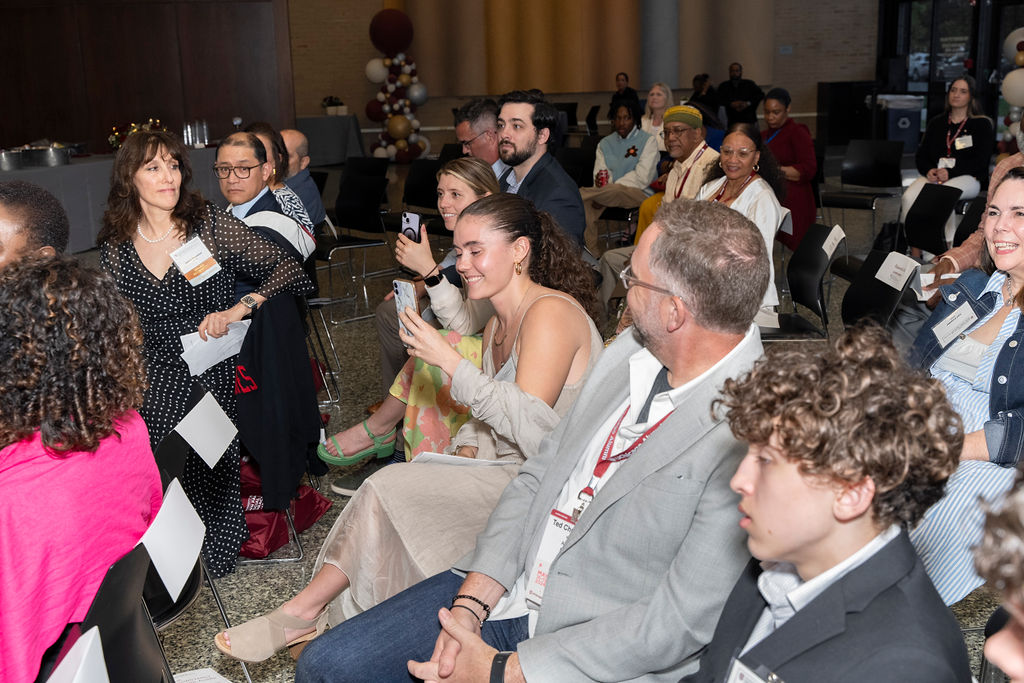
[
  {"x": 869, "y": 297},
  {"x": 925, "y": 222},
  {"x": 805, "y": 275},
  {"x": 871, "y": 164}
]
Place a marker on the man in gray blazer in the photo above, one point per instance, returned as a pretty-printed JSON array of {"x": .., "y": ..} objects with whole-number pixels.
[{"x": 611, "y": 554}]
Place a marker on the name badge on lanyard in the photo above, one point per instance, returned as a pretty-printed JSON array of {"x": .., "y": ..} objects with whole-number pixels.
[
  {"x": 741, "y": 673},
  {"x": 195, "y": 262},
  {"x": 557, "y": 529}
]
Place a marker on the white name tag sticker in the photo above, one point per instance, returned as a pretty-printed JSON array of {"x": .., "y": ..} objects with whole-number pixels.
[
  {"x": 896, "y": 269},
  {"x": 555, "y": 532},
  {"x": 832, "y": 241},
  {"x": 964, "y": 142},
  {"x": 954, "y": 324},
  {"x": 195, "y": 261},
  {"x": 947, "y": 162},
  {"x": 741, "y": 673}
]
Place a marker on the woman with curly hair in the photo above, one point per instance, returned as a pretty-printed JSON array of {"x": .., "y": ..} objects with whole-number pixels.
[
  {"x": 971, "y": 344},
  {"x": 72, "y": 449},
  {"x": 747, "y": 179},
  {"x": 151, "y": 215},
  {"x": 410, "y": 521}
]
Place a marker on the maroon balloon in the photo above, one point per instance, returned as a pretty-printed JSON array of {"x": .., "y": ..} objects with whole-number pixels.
[
  {"x": 403, "y": 156},
  {"x": 375, "y": 111},
  {"x": 391, "y": 31},
  {"x": 386, "y": 138},
  {"x": 399, "y": 93}
]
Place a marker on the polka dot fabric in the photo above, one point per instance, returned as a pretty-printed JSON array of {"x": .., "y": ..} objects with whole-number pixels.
[{"x": 169, "y": 307}]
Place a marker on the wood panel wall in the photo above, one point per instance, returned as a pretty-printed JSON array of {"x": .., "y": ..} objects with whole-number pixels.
[{"x": 72, "y": 69}]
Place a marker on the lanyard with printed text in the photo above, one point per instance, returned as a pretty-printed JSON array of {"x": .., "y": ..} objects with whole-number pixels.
[
  {"x": 951, "y": 138},
  {"x": 679, "y": 190},
  {"x": 607, "y": 458}
]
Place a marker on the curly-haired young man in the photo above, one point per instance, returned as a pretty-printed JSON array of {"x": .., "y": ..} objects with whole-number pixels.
[{"x": 848, "y": 448}]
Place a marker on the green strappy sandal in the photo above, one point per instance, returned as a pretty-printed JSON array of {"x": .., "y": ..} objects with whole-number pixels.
[{"x": 382, "y": 447}]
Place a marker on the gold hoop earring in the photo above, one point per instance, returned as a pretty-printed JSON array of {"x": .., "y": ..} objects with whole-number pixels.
[{"x": 519, "y": 267}]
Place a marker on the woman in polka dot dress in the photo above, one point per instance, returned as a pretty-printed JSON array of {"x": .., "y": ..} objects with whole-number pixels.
[{"x": 150, "y": 214}]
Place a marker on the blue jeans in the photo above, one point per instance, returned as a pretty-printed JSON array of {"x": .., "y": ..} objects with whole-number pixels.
[{"x": 375, "y": 645}]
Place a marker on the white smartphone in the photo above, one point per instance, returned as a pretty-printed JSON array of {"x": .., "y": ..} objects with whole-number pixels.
[
  {"x": 405, "y": 295},
  {"x": 411, "y": 225}
]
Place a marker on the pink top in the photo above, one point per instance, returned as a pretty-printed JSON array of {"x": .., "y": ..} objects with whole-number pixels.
[{"x": 63, "y": 522}]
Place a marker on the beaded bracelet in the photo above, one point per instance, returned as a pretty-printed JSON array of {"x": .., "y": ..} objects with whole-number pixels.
[{"x": 487, "y": 608}]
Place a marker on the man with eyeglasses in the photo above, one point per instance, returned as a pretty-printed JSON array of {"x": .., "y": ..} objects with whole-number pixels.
[
  {"x": 611, "y": 554},
  {"x": 243, "y": 172},
  {"x": 526, "y": 125},
  {"x": 476, "y": 129},
  {"x": 684, "y": 134}
]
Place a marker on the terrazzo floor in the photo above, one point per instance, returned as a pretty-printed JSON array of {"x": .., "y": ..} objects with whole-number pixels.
[{"x": 254, "y": 590}]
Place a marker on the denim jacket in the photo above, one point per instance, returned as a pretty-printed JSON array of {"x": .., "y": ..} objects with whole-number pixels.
[{"x": 1004, "y": 431}]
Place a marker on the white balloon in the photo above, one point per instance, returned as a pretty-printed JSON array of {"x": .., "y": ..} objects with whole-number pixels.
[
  {"x": 391, "y": 151},
  {"x": 381, "y": 97},
  {"x": 391, "y": 87},
  {"x": 1017, "y": 110},
  {"x": 1014, "y": 128},
  {"x": 406, "y": 69},
  {"x": 376, "y": 72},
  {"x": 1007, "y": 137},
  {"x": 417, "y": 93},
  {"x": 415, "y": 79},
  {"x": 413, "y": 137},
  {"x": 1013, "y": 88},
  {"x": 400, "y": 57},
  {"x": 424, "y": 139},
  {"x": 1010, "y": 44},
  {"x": 386, "y": 108},
  {"x": 381, "y": 153},
  {"x": 415, "y": 124},
  {"x": 1015, "y": 115}
]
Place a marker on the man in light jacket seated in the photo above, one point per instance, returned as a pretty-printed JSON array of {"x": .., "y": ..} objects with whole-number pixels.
[
  {"x": 626, "y": 163},
  {"x": 610, "y": 556}
]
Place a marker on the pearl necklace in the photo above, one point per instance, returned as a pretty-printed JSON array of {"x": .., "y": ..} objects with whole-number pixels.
[{"x": 138, "y": 229}]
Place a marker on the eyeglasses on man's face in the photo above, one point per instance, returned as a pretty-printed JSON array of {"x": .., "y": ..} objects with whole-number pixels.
[
  {"x": 241, "y": 172},
  {"x": 630, "y": 280},
  {"x": 467, "y": 143},
  {"x": 676, "y": 132}
]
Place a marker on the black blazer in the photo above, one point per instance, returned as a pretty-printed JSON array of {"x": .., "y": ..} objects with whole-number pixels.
[
  {"x": 551, "y": 189},
  {"x": 881, "y": 622}
]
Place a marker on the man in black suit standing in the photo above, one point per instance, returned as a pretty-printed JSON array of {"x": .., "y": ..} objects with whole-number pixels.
[
  {"x": 526, "y": 124},
  {"x": 740, "y": 96},
  {"x": 848, "y": 449}
]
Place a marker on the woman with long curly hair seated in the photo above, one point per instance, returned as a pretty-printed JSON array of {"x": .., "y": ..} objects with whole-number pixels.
[
  {"x": 78, "y": 483},
  {"x": 410, "y": 521}
]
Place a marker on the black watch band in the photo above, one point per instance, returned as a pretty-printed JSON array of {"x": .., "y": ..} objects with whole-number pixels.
[
  {"x": 433, "y": 280},
  {"x": 498, "y": 667}
]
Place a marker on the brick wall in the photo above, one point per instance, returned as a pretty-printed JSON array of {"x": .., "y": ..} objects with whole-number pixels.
[{"x": 828, "y": 40}]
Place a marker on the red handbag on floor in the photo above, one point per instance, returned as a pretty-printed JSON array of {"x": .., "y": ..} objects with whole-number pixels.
[{"x": 268, "y": 529}]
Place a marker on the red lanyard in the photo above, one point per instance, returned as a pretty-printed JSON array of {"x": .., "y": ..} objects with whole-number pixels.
[
  {"x": 607, "y": 458},
  {"x": 679, "y": 190},
  {"x": 950, "y": 139},
  {"x": 718, "y": 196}
]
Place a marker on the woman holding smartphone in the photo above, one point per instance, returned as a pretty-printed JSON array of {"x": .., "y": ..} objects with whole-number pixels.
[{"x": 408, "y": 522}]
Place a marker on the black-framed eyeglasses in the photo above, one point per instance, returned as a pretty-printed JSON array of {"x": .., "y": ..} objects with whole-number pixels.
[
  {"x": 241, "y": 172},
  {"x": 629, "y": 280},
  {"x": 467, "y": 143}
]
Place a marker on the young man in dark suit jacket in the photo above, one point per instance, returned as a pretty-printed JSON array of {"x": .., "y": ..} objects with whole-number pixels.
[{"x": 848, "y": 448}]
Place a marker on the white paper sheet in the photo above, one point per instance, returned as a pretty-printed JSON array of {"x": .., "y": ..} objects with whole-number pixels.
[
  {"x": 925, "y": 279},
  {"x": 203, "y": 355},
  {"x": 207, "y": 429},
  {"x": 200, "y": 676},
  {"x": 766, "y": 318},
  {"x": 786, "y": 224},
  {"x": 445, "y": 459},
  {"x": 84, "y": 662},
  {"x": 832, "y": 241},
  {"x": 896, "y": 269},
  {"x": 174, "y": 539}
]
